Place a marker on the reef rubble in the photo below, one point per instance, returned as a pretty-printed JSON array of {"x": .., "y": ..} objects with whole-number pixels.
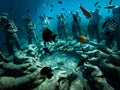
[{"x": 101, "y": 71}]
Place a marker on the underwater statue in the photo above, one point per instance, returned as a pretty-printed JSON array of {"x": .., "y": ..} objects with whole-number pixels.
[
  {"x": 10, "y": 29},
  {"x": 93, "y": 25},
  {"x": 30, "y": 27},
  {"x": 110, "y": 27},
  {"x": 76, "y": 24},
  {"x": 61, "y": 26},
  {"x": 44, "y": 22},
  {"x": 116, "y": 16}
]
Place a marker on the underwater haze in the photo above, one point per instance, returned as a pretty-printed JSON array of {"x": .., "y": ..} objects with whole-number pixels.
[
  {"x": 17, "y": 8},
  {"x": 60, "y": 44}
]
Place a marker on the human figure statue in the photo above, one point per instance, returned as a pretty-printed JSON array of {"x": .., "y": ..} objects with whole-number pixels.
[
  {"x": 116, "y": 15},
  {"x": 44, "y": 22},
  {"x": 93, "y": 25},
  {"x": 30, "y": 27},
  {"x": 76, "y": 24},
  {"x": 61, "y": 26},
  {"x": 10, "y": 29}
]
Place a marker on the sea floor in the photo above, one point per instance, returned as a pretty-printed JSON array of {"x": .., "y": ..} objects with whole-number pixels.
[{"x": 75, "y": 66}]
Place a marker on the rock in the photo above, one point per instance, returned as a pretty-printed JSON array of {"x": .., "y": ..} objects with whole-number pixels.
[
  {"x": 101, "y": 84},
  {"x": 11, "y": 69},
  {"x": 105, "y": 50},
  {"x": 114, "y": 59},
  {"x": 93, "y": 43},
  {"x": 32, "y": 68},
  {"x": 77, "y": 85},
  {"x": 95, "y": 70},
  {"x": 111, "y": 70},
  {"x": 94, "y": 53},
  {"x": 25, "y": 82},
  {"x": 88, "y": 47},
  {"x": 100, "y": 72},
  {"x": 19, "y": 57},
  {"x": 7, "y": 83}
]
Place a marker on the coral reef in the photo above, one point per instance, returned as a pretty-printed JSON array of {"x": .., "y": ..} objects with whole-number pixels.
[{"x": 100, "y": 71}]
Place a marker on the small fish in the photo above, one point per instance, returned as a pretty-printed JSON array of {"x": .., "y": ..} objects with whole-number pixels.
[
  {"x": 105, "y": 23},
  {"x": 82, "y": 39},
  {"x": 28, "y": 11},
  {"x": 96, "y": 3},
  {"x": 48, "y": 36},
  {"x": 63, "y": 8},
  {"x": 82, "y": 61},
  {"x": 51, "y": 10},
  {"x": 51, "y": 5},
  {"x": 11, "y": 9},
  {"x": 110, "y": 2},
  {"x": 47, "y": 71},
  {"x": 86, "y": 12},
  {"x": 47, "y": 50},
  {"x": 35, "y": 9},
  {"x": 50, "y": 18},
  {"x": 60, "y": 2},
  {"x": 110, "y": 7}
]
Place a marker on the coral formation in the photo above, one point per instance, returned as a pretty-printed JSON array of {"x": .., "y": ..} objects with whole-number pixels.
[{"x": 100, "y": 71}]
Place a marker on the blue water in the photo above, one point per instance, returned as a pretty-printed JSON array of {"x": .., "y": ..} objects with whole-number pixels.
[
  {"x": 18, "y": 8},
  {"x": 64, "y": 54}
]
